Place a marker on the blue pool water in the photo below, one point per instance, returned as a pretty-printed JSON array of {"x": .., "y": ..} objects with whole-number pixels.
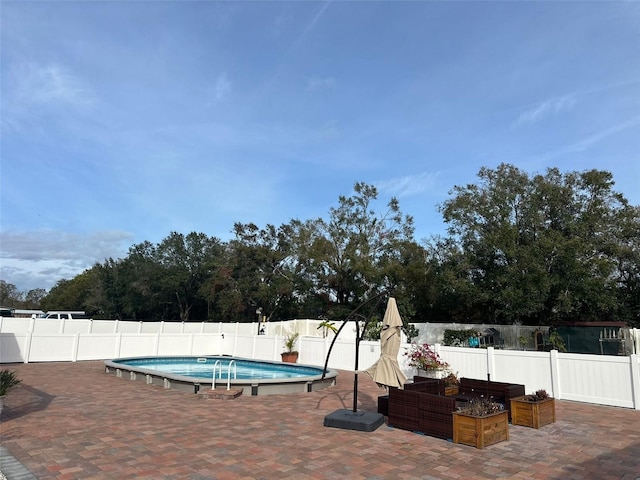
[{"x": 202, "y": 367}]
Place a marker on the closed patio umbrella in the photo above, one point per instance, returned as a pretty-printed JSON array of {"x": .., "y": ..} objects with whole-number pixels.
[{"x": 386, "y": 371}]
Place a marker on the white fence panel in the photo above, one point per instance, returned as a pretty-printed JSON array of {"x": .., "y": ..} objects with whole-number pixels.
[
  {"x": 172, "y": 327},
  {"x": 343, "y": 355},
  {"x": 14, "y": 325},
  {"x": 76, "y": 326},
  {"x": 247, "y": 328},
  {"x": 369, "y": 353},
  {"x": 174, "y": 344},
  {"x": 47, "y": 325},
  {"x": 313, "y": 350},
  {"x": 12, "y": 347},
  {"x": 96, "y": 346},
  {"x": 265, "y": 348},
  {"x": 468, "y": 362},
  {"x": 210, "y": 327},
  {"x": 595, "y": 379},
  {"x": 52, "y": 348},
  {"x": 129, "y": 327},
  {"x": 207, "y": 344},
  {"x": 509, "y": 366},
  {"x": 532, "y": 369},
  {"x": 188, "y": 327},
  {"x": 243, "y": 346},
  {"x": 138, "y": 345},
  {"x": 151, "y": 327},
  {"x": 104, "y": 326}
]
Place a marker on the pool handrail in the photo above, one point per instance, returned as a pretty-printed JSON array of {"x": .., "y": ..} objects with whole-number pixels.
[{"x": 218, "y": 364}]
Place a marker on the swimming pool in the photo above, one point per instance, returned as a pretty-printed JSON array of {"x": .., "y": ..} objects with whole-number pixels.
[{"x": 254, "y": 377}]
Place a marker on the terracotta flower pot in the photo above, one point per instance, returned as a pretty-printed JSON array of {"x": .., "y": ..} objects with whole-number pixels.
[{"x": 289, "y": 357}]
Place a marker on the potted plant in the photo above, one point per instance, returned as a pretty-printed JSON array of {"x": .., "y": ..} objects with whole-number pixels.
[
  {"x": 327, "y": 326},
  {"x": 426, "y": 360},
  {"x": 451, "y": 384},
  {"x": 8, "y": 380},
  {"x": 480, "y": 423},
  {"x": 290, "y": 355},
  {"x": 535, "y": 410},
  {"x": 523, "y": 341}
]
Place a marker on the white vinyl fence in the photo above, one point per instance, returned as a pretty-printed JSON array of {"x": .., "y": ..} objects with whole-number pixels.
[{"x": 600, "y": 379}]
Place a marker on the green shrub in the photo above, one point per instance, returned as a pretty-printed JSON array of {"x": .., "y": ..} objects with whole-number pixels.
[{"x": 8, "y": 380}]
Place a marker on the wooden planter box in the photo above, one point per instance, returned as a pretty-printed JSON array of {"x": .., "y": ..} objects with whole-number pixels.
[
  {"x": 480, "y": 432},
  {"x": 451, "y": 391},
  {"x": 533, "y": 414}
]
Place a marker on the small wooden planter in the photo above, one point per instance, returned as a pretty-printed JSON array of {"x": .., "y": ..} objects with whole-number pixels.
[
  {"x": 480, "y": 432},
  {"x": 533, "y": 414},
  {"x": 451, "y": 391}
]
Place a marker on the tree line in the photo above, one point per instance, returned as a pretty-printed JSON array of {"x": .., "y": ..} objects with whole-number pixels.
[{"x": 538, "y": 249}]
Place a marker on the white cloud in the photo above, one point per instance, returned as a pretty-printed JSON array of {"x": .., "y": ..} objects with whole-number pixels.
[
  {"x": 586, "y": 142},
  {"x": 46, "y": 84},
  {"x": 38, "y": 259},
  {"x": 408, "y": 185},
  {"x": 551, "y": 106}
]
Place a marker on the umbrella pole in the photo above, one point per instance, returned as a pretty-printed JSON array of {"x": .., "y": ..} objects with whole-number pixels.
[
  {"x": 343, "y": 418},
  {"x": 355, "y": 376}
]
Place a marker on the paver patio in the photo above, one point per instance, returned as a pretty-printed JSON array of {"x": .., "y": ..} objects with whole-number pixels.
[{"x": 71, "y": 421}]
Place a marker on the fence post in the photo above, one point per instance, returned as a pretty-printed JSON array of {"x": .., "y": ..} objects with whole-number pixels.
[
  {"x": 118, "y": 345},
  {"x": 555, "y": 374},
  {"x": 491, "y": 362},
  {"x": 74, "y": 349},
  {"x": 635, "y": 380},
  {"x": 27, "y": 346}
]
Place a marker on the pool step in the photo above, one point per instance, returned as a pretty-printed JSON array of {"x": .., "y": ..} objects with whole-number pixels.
[{"x": 220, "y": 393}]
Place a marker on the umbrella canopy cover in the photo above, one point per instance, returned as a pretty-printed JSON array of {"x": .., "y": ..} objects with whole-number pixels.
[{"x": 386, "y": 371}]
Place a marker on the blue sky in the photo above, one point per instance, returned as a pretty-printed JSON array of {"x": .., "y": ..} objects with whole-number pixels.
[{"x": 123, "y": 121}]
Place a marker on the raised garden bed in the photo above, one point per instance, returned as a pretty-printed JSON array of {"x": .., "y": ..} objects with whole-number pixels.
[
  {"x": 499, "y": 392},
  {"x": 533, "y": 414},
  {"x": 481, "y": 431}
]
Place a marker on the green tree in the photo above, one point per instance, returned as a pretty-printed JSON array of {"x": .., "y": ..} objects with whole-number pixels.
[
  {"x": 541, "y": 249},
  {"x": 259, "y": 271},
  {"x": 68, "y": 294},
  {"x": 353, "y": 253},
  {"x": 34, "y": 297},
  {"x": 186, "y": 262},
  {"x": 9, "y": 294}
]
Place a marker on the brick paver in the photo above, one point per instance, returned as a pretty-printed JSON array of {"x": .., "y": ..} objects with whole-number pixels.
[{"x": 71, "y": 421}]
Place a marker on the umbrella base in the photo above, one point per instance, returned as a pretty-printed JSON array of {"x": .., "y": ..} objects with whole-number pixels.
[{"x": 350, "y": 420}]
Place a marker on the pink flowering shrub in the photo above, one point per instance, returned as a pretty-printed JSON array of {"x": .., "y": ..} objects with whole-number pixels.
[{"x": 424, "y": 358}]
